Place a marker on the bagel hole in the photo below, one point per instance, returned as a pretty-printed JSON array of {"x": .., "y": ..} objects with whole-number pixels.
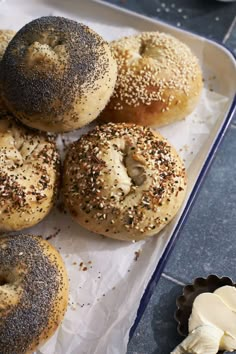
[
  {"x": 46, "y": 51},
  {"x": 137, "y": 175},
  {"x": 134, "y": 170},
  {"x": 3, "y": 280},
  {"x": 7, "y": 278},
  {"x": 142, "y": 49},
  {"x": 51, "y": 40}
]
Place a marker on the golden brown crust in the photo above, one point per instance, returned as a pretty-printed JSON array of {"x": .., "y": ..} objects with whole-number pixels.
[
  {"x": 29, "y": 167},
  {"x": 33, "y": 292},
  {"x": 57, "y": 74},
  {"x": 159, "y": 80},
  {"x": 5, "y": 37},
  {"x": 123, "y": 181}
]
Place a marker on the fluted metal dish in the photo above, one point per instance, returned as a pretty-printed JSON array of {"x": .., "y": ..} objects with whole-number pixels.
[{"x": 185, "y": 301}]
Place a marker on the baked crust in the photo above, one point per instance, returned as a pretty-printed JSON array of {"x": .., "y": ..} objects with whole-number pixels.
[
  {"x": 33, "y": 292},
  {"x": 57, "y": 74},
  {"x": 29, "y": 171},
  {"x": 159, "y": 80},
  {"x": 123, "y": 181}
]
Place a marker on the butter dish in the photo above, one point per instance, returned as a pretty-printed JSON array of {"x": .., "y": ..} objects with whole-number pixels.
[
  {"x": 184, "y": 302},
  {"x": 201, "y": 334}
]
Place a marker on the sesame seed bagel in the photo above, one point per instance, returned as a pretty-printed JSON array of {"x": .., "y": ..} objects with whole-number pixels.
[
  {"x": 159, "y": 80},
  {"x": 57, "y": 74},
  {"x": 29, "y": 167},
  {"x": 123, "y": 181},
  {"x": 33, "y": 292},
  {"x": 5, "y": 37}
]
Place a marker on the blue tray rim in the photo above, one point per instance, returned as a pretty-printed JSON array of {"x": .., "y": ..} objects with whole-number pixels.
[
  {"x": 200, "y": 179},
  {"x": 176, "y": 232}
]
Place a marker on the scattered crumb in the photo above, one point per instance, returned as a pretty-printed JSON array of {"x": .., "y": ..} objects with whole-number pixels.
[
  {"x": 178, "y": 24},
  {"x": 53, "y": 235},
  {"x": 85, "y": 265},
  {"x": 186, "y": 148},
  {"x": 217, "y": 18},
  {"x": 74, "y": 263},
  {"x": 137, "y": 254}
]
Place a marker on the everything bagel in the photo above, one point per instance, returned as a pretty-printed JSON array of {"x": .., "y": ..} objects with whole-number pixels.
[
  {"x": 29, "y": 168},
  {"x": 123, "y": 181}
]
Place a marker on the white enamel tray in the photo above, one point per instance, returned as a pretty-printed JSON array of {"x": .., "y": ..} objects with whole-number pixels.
[{"x": 125, "y": 285}]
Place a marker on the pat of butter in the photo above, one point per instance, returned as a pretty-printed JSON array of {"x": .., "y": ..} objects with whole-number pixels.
[
  {"x": 228, "y": 295},
  {"x": 202, "y": 340},
  {"x": 217, "y": 310}
]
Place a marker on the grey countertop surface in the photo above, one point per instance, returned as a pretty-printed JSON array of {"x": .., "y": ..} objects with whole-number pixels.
[{"x": 207, "y": 243}]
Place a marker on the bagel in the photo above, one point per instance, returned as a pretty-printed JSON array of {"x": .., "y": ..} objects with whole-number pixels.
[
  {"x": 123, "y": 181},
  {"x": 5, "y": 38},
  {"x": 29, "y": 167},
  {"x": 57, "y": 74},
  {"x": 159, "y": 80},
  {"x": 33, "y": 292}
]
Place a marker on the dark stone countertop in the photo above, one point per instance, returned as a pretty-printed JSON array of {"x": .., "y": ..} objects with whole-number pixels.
[{"x": 207, "y": 243}]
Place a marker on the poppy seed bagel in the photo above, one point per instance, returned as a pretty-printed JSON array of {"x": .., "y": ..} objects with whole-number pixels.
[{"x": 57, "y": 75}]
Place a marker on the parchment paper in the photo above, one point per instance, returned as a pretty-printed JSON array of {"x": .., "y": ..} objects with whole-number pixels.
[{"x": 107, "y": 277}]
